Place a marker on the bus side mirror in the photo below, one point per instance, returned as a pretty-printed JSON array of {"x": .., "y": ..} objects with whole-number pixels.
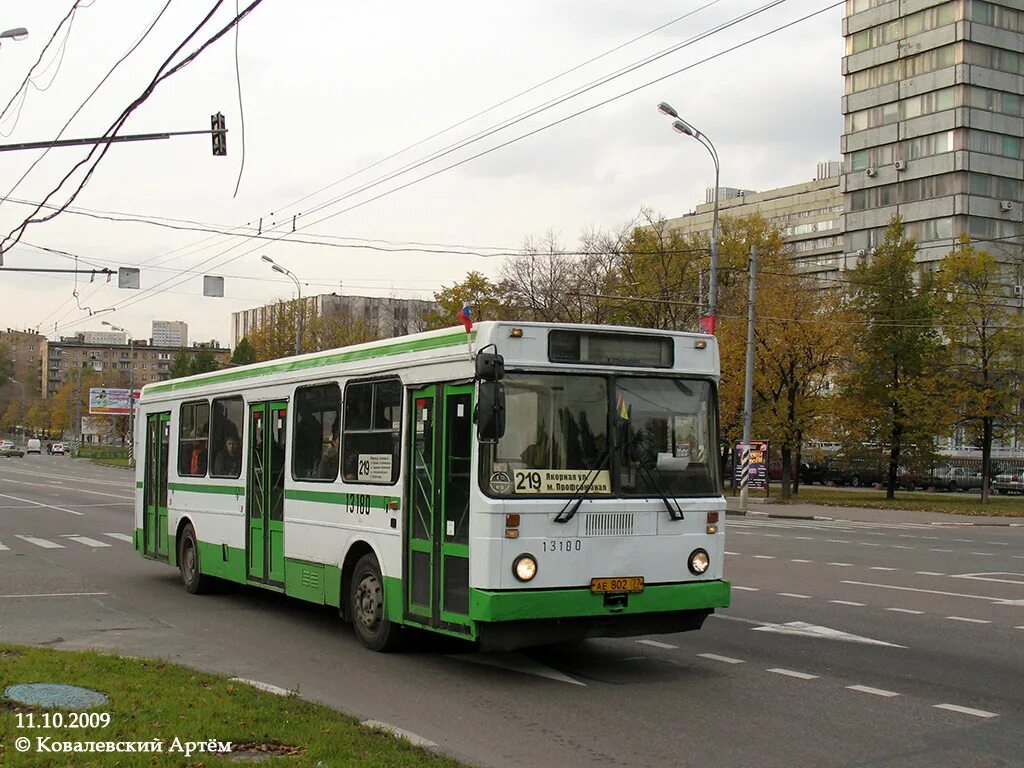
[
  {"x": 490, "y": 366},
  {"x": 490, "y": 411}
]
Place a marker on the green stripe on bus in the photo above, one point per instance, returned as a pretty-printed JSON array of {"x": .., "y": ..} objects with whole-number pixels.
[
  {"x": 333, "y": 497},
  {"x": 418, "y": 345},
  {"x": 138, "y": 483},
  {"x": 230, "y": 490},
  {"x": 485, "y": 605}
]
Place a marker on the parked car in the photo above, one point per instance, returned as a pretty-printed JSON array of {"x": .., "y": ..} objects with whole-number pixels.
[
  {"x": 950, "y": 478},
  {"x": 58, "y": 448},
  {"x": 1009, "y": 482},
  {"x": 34, "y": 446},
  {"x": 856, "y": 474},
  {"x": 811, "y": 473},
  {"x": 9, "y": 450}
]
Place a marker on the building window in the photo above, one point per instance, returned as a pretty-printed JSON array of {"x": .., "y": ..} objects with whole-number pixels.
[
  {"x": 993, "y": 143},
  {"x": 993, "y": 101},
  {"x": 315, "y": 447},
  {"x": 193, "y": 439},
  {"x": 996, "y": 16},
  {"x": 372, "y": 432}
]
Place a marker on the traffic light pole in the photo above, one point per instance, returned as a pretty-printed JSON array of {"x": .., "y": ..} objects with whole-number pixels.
[{"x": 218, "y": 131}]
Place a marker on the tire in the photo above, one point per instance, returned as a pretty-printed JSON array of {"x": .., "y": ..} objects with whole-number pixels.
[
  {"x": 952, "y": 487},
  {"x": 366, "y": 607},
  {"x": 195, "y": 582},
  {"x": 855, "y": 481}
]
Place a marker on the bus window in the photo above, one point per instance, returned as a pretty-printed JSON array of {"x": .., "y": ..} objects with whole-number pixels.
[
  {"x": 193, "y": 439},
  {"x": 315, "y": 448},
  {"x": 226, "y": 437},
  {"x": 373, "y": 421}
]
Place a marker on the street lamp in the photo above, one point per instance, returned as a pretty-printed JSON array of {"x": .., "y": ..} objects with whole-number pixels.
[
  {"x": 298, "y": 288},
  {"x": 18, "y": 33},
  {"x": 131, "y": 386},
  {"x": 681, "y": 126}
]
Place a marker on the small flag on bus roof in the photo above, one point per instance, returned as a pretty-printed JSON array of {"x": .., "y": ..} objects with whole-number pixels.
[
  {"x": 465, "y": 317},
  {"x": 623, "y": 408}
]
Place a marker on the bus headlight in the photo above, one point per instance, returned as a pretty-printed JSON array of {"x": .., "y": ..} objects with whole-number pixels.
[
  {"x": 699, "y": 561},
  {"x": 524, "y": 568}
]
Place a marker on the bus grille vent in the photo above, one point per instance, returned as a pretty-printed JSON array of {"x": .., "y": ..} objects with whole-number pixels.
[
  {"x": 608, "y": 524},
  {"x": 310, "y": 579}
]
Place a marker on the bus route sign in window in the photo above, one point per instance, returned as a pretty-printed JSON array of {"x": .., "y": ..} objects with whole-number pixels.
[{"x": 610, "y": 348}]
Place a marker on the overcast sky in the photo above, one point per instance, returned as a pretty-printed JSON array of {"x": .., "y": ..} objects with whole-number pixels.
[{"x": 330, "y": 88}]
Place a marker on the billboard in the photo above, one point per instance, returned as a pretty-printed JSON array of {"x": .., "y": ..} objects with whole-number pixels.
[
  {"x": 108, "y": 401},
  {"x": 758, "y": 475}
]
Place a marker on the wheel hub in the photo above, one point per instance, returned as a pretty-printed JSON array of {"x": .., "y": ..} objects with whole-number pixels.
[{"x": 369, "y": 603}]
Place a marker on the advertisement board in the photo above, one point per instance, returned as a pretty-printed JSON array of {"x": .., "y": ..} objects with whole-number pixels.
[
  {"x": 108, "y": 401},
  {"x": 758, "y": 477}
]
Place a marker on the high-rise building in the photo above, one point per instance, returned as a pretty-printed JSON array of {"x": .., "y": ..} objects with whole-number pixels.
[
  {"x": 27, "y": 350},
  {"x": 170, "y": 333},
  {"x": 933, "y": 124},
  {"x": 386, "y": 315}
]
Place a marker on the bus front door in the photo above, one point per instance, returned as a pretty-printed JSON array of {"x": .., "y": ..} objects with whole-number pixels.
[
  {"x": 264, "y": 541},
  {"x": 154, "y": 485},
  {"x": 437, "y": 521}
]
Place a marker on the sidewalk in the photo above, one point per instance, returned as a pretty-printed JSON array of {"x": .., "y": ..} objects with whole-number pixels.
[{"x": 762, "y": 508}]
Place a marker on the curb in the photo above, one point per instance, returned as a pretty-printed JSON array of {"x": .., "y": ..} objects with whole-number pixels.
[
  {"x": 942, "y": 523},
  {"x": 739, "y": 513}
]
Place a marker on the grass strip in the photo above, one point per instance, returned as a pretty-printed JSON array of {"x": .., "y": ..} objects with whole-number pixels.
[
  {"x": 920, "y": 501},
  {"x": 154, "y": 700}
]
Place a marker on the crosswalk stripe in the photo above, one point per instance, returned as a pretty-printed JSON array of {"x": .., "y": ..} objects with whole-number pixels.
[
  {"x": 2, "y": 547},
  {"x": 44, "y": 543},
  {"x": 120, "y": 536},
  {"x": 88, "y": 542}
]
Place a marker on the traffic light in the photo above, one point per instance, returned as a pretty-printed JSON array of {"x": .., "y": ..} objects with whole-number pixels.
[{"x": 219, "y": 134}]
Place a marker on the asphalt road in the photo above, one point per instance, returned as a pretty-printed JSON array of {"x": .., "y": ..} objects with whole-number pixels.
[{"x": 848, "y": 644}]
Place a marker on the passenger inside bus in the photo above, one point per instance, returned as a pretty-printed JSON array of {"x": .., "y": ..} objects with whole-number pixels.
[{"x": 228, "y": 461}]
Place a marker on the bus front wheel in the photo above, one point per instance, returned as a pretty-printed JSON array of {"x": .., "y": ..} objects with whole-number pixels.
[
  {"x": 366, "y": 607},
  {"x": 188, "y": 563}
]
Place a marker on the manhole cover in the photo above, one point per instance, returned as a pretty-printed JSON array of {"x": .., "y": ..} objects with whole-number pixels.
[{"x": 55, "y": 695}]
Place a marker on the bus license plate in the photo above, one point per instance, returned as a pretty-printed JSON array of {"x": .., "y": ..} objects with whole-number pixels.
[{"x": 621, "y": 584}]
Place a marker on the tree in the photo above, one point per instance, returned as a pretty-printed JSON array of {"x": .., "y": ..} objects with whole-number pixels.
[
  {"x": 337, "y": 330},
  {"x": 479, "y": 291},
  {"x": 6, "y": 361},
  {"x": 203, "y": 361},
  {"x": 244, "y": 353},
  {"x": 14, "y": 414},
  {"x": 38, "y": 418},
  {"x": 987, "y": 346},
  {"x": 181, "y": 365},
  {"x": 893, "y": 382},
  {"x": 275, "y": 338}
]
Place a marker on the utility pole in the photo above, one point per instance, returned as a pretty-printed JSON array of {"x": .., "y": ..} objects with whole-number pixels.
[{"x": 748, "y": 389}]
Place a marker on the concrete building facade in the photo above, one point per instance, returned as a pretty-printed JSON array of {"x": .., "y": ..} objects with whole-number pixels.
[
  {"x": 389, "y": 316},
  {"x": 28, "y": 350},
  {"x": 170, "y": 333},
  {"x": 933, "y": 124}
]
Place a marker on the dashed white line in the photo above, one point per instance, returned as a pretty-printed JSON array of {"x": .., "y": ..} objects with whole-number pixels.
[
  {"x": 764, "y": 557},
  {"x": 882, "y": 568},
  {"x": 87, "y": 541},
  {"x": 900, "y": 546},
  {"x": 734, "y": 532},
  {"x": 984, "y": 554},
  {"x": 966, "y": 710},
  {"x": 797, "y": 560},
  {"x": 847, "y": 602},
  {"x": 773, "y": 535},
  {"x": 929, "y": 573},
  {"x": 803, "y": 538},
  {"x": 656, "y": 644},
  {"x": 969, "y": 621},
  {"x": 872, "y": 691},
  {"x": 869, "y": 544},
  {"x": 723, "y": 659},
  {"x": 843, "y": 565},
  {"x": 940, "y": 550},
  {"x": 746, "y": 589},
  {"x": 793, "y": 594},
  {"x": 731, "y": 553},
  {"x": 905, "y": 610},
  {"x": 793, "y": 673},
  {"x": 44, "y": 543},
  {"x": 837, "y": 541},
  {"x": 965, "y": 541},
  {"x": 2, "y": 547},
  {"x": 120, "y": 536}
]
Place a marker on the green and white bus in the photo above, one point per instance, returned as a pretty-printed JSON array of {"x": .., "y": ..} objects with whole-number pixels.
[{"x": 518, "y": 484}]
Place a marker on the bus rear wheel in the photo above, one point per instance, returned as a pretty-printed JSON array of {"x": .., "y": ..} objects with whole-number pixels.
[
  {"x": 366, "y": 607},
  {"x": 188, "y": 563}
]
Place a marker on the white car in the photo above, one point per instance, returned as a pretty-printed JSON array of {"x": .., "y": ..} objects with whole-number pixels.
[{"x": 58, "y": 448}]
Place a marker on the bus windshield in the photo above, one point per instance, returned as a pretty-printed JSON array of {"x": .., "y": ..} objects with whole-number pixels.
[{"x": 557, "y": 438}]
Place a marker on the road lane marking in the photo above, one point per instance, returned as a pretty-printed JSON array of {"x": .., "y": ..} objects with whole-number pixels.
[
  {"x": 940, "y": 550},
  {"x": 989, "y": 598},
  {"x": 990, "y": 576},
  {"x": 764, "y": 557},
  {"x": 803, "y": 538},
  {"x": 797, "y": 560},
  {"x": 969, "y": 621},
  {"x": 984, "y": 554},
  {"x": 517, "y": 662},
  {"x": 838, "y": 541},
  {"x": 803, "y": 629},
  {"x": 723, "y": 659},
  {"x": 966, "y": 710},
  {"x": 121, "y": 536},
  {"x": 773, "y": 535},
  {"x": 44, "y": 543},
  {"x": 900, "y": 546},
  {"x": 59, "y": 594},
  {"x": 793, "y": 673},
  {"x": 731, "y": 553},
  {"x": 842, "y": 565},
  {"x": 2, "y": 547},
  {"x": 656, "y": 644},
  {"x": 905, "y": 610},
  {"x": 881, "y": 568},
  {"x": 40, "y": 504},
  {"x": 872, "y": 691},
  {"x": 87, "y": 541},
  {"x": 746, "y": 589},
  {"x": 792, "y": 594},
  {"x": 869, "y": 544},
  {"x": 929, "y": 573},
  {"x": 965, "y": 541},
  {"x": 847, "y": 602}
]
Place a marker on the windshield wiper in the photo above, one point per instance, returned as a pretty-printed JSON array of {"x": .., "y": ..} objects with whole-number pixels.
[
  {"x": 576, "y": 500},
  {"x": 675, "y": 512}
]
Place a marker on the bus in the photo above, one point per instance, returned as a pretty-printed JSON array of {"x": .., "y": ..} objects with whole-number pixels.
[{"x": 516, "y": 484}]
